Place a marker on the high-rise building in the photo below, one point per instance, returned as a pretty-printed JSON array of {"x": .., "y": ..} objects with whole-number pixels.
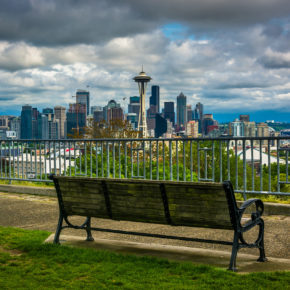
[
  {"x": 83, "y": 97},
  {"x": 161, "y": 126},
  {"x": 26, "y": 122},
  {"x": 98, "y": 115},
  {"x": 189, "y": 113},
  {"x": 151, "y": 117},
  {"x": 169, "y": 113},
  {"x": 76, "y": 118},
  {"x": 15, "y": 126},
  {"x": 236, "y": 128},
  {"x": 192, "y": 129},
  {"x": 198, "y": 115},
  {"x": 207, "y": 121},
  {"x": 132, "y": 118},
  {"x": 181, "y": 111},
  {"x": 42, "y": 127},
  {"x": 250, "y": 129},
  {"x": 134, "y": 106},
  {"x": 155, "y": 98},
  {"x": 60, "y": 115},
  {"x": 263, "y": 131}
]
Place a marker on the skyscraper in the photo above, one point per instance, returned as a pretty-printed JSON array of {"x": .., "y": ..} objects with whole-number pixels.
[
  {"x": 134, "y": 106},
  {"x": 59, "y": 113},
  {"x": 155, "y": 98},
  {"x": 169, "y": 113},
  {"x": 198, "y": 116},
  {"x": 76, "y": 118},
  {"x": 26, "y": 122},
  {"x": 42, "y": 127},
  {"x": 181, "y": 111},
  {"x": 161, "y": 126},
  {"x": 83, "y": 97}
]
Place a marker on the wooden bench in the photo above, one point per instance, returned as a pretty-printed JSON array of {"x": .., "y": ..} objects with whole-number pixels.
[{"x": 207, "y": 205}]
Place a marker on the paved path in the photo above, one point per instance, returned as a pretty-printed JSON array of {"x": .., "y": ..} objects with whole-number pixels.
[{"x": 38, "y": 212}]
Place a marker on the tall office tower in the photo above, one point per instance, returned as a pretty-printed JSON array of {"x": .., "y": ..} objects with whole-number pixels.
[
  {"x": 42, "y": 127},
  {"x": 53, "y": 129},
  {"x": 169, "y": 113},
  {"x": 151, "y": 117},
  {"x": 15, "y": 126},
  {"x": 236, "y": 128},
  {"x": 181, "y": 111},
  {"x": 155, "y": 98},
  {"x": 83, "y": 97},
  {"x": 245, "y": 118},
  {"x": 98, "y": 115},
  {"x": 161, "y": 126},
  {"x": 142, "y": 79},
  {"x": 76, "y": 118},
  {"x": 132, "y": 118},
  {"x": 49, "y": 113},
  {"x": 60, "y": 116},
  {"x": 189, "y": 113},
  {"x": 198, "y": 115},
  {"x": 134, "y": 106},
  {"x": 35, "y": 116},
  {"x": 26, "y": 122},
  {"x": 113, "y": 111},
  {"x": 207, "y": 121}
]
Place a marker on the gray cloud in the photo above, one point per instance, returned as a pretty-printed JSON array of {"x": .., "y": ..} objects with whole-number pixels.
[{"x": 53, "y": 22}]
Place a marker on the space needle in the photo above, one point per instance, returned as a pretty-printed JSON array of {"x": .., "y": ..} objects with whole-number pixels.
[{"x": 142, "y": 79}]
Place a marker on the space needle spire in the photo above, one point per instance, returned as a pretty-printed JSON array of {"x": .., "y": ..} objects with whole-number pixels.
[{"x": 142, "y": 79}]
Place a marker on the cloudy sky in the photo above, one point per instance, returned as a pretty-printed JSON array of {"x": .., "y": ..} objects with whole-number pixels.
[{"x": 232, "y": 56}]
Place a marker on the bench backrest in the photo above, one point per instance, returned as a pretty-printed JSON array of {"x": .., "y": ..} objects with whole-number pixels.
[{"x": 164, "y": 202}]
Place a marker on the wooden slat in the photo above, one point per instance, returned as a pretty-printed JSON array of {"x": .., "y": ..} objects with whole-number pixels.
[{"x": 190, "y": 204}]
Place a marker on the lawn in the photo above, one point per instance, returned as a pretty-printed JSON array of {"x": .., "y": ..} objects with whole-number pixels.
[{"x": 27, "y": 263}]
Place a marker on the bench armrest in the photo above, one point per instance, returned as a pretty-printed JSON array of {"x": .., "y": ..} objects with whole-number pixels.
[{"x": 255, "y": 216}]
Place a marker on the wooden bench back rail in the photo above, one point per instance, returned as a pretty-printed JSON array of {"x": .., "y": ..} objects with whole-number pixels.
[
  {"x": 175, "y": 203},
  {"x": 209, "y": 205}
]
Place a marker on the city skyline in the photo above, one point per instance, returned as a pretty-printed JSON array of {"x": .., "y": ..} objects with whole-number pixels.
[{"x": 232, "y": 57}]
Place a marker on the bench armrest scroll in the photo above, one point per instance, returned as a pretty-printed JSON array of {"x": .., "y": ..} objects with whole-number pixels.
[{"x": 259, "y": 208}]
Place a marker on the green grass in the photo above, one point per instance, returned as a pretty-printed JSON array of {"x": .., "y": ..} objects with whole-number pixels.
[
  {"x": 27, "y": 183},
  {"x": 27, "y": 263}
]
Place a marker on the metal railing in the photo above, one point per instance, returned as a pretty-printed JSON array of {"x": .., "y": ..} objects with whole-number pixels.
[{"x": 254, "y": 165}]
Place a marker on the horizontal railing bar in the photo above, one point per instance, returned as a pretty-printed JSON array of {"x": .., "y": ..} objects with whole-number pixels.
[{"x": 263, "y": 192}]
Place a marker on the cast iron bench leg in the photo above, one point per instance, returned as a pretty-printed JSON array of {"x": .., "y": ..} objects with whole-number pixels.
[
  {"x": 88, "y": 230},
  {"x": 262, "y": 257},
  {"x": 232, "y": 266},
  {"x": 58, "y": 230}
]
